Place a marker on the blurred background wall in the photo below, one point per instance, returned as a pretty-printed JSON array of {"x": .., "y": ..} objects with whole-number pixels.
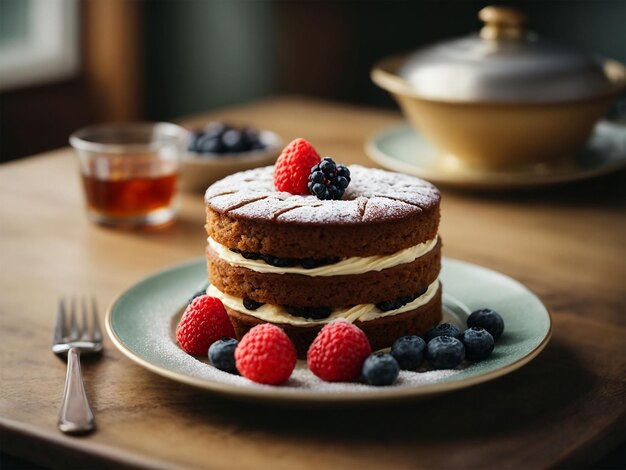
[{"x": 161, "y": 59}]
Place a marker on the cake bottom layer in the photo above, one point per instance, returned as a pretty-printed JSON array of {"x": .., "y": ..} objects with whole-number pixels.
[{"x": 381, "y": 332}]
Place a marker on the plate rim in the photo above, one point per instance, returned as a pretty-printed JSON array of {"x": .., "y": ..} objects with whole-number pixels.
[
  {"x": 286, "y": 395},
  {"x": 485, "y": 181}
]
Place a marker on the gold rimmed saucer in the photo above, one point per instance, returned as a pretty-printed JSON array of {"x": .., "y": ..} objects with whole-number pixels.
[{"x": 400, "y": 148}]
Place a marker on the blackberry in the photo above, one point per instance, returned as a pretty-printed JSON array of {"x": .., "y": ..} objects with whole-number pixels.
[
  {"x": 317, "y": 177},
  {"x": 315, "y": 313},
  {"x": 328, "y": 167},
  {"x": 251, "y": 304},
  {"x": 341, "y": 182},
  {"x": 343, "y": 171},
  {"x": 327, "y": 180}
]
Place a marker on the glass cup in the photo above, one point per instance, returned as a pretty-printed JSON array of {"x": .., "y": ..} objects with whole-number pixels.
[{"x": 130, "y": 172}]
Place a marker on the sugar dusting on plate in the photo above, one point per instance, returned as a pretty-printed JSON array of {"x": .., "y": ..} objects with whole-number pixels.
[{"x": 161, "y": 341}]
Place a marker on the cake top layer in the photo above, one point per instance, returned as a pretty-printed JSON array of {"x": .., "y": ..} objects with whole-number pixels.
[{"x": 373, "y": 196}]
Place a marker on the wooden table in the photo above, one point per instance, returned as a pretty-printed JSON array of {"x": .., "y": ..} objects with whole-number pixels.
[{"x": 565, "y": 408}]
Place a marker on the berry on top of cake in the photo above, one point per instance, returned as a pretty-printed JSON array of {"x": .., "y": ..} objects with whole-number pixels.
[{"x": 310, "y": 240}]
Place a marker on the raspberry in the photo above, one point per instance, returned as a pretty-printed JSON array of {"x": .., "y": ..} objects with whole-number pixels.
[
  {"x": 204, "y": 322},
  {"x": 265, "y": 355},
  {"x": 338, "y": 352},
  {"x": 293, "y": 166}
]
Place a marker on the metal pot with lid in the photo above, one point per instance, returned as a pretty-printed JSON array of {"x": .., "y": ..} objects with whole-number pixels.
[{"x": 531, "y": 98}]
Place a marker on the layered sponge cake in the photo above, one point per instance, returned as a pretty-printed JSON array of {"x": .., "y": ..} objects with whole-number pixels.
[{"x": 372, "y": 257}]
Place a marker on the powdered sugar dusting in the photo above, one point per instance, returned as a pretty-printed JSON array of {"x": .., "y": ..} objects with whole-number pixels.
[
  {"x": 373, "y": 195},
  {"x": 160, "y": 341},
  {"x": 379, "y": 207}
]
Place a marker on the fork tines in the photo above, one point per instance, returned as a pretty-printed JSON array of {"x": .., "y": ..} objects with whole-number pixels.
[{"x": 72, "y": 332}]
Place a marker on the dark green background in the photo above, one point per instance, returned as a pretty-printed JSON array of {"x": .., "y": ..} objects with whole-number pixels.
[{"x": 209, "y": 53}]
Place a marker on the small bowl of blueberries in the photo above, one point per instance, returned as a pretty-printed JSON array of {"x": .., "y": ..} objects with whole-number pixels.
[{"x": 219, "y": 149}]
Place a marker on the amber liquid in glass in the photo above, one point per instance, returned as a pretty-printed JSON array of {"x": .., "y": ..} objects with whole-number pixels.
[{"x": 129, "y": 197}]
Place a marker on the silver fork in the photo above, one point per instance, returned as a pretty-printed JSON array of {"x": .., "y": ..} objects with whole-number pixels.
[{"x": 75, "y": 416}]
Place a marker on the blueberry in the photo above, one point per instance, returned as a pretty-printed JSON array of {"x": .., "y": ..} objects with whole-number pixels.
[
  {"x": 329, "y": 260},
  {"x": 258, "y": 145},
  {"x": 478, "y": 343},
  {"x": 488, "y": 319},
  {"x": 388, "y": 305},
  {"x": 215, "y": 129},
  {"x": 251, "y": 304},
  {"x": 445, "y": 329},
  {"x": 445, "y": 352},
  {"x": 395, "y": 304},
  {"x": 233, "y": 141},
  {"x": 310, "y": 263},
  {"x": 246, "y": 254},
  {"x": 193, "y": 142},
  {"x": 380, "y": 369},
  {"x": 317, "y": 177},
  {"x": 222, "y": 355},
  {"x": 315, "y": 313},
  {"x": 251, "y": 138},
  {"x": 279, "y": 262},
  {"x": 218, "y": 137},
  {"x": 409, "y": 351},
  {"x": 209, "y": 144},
  {"x": 251, "y": 255},
  {"x": 198, "y": 294}
]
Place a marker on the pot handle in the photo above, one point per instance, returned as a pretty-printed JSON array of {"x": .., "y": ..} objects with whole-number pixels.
[{"x": 502, "y": 23}]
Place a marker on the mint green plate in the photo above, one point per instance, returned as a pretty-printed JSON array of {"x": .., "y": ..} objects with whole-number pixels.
[{"x": 142, "y": 321}]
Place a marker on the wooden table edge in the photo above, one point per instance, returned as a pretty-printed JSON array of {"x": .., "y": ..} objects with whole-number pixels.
[{"x": 21, "y": 439}]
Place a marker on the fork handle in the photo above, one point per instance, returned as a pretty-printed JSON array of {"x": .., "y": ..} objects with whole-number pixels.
[{"x": 75, "y": 416}]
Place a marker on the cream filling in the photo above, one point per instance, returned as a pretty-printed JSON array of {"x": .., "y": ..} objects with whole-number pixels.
[
  {"x": 354, "y": 265},
  {"x": 277, "y": 314}
]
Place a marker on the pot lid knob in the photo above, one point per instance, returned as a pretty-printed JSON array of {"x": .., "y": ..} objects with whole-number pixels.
[{"x": 502, "y": 23}]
